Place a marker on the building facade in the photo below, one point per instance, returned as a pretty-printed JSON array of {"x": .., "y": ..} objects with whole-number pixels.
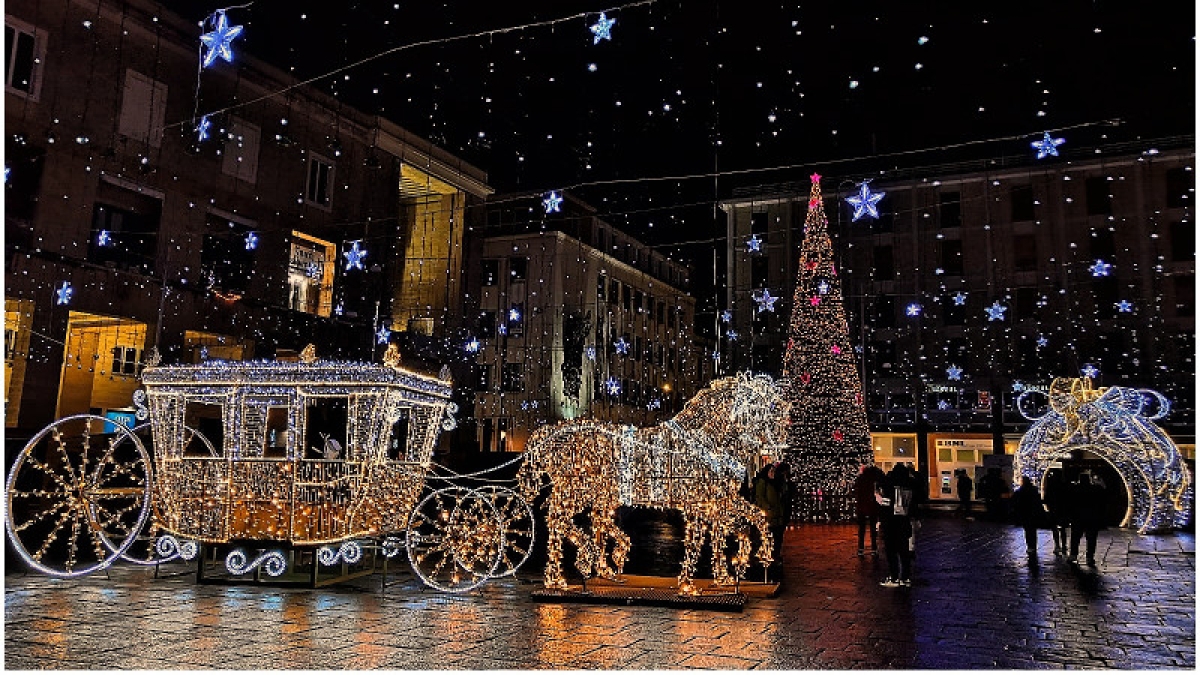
[
  {"x": 979, "y": 283},
  {"x": 297, "y": 220},
  {"x": 575, "y": 319}
]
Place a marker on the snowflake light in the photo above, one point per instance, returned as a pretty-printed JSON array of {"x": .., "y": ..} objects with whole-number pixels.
[
  {"x": 732, "y": 335},
  {"x": 472, "y": 346},
  {"x": 943, "y": 404},
  {"x": 1124, "y": 306},
  {"x": 996, "y": 311},
  {"x": 355, "y": 256},
  {"x": 823, "y": 287},
  {"x": 602, "y": 29},
  {"x": 552, "y": 203},
  {"x": 514, "y": 314},
  {"x": 590, "y": 352},
  {"x": 1042, "y": 341},
  {"x": 1047, "y": 146},
  {"x": 726, "y": 316},
  {"x": 864, "y": 202},
  {"x": 612, "y": 386},
  {"x": 218, "y": 40}
]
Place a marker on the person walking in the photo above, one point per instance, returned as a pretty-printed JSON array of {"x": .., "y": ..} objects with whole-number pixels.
[
  {"x": 1087, "y": 517},
  {"x": 964, "y": 485},
  {"x": 770, "y": 488},
  {"x": 992, "y": 489},
  {"x": 866, "y": 509},
  {"x": 1029, "y": 512},
  {"x": 896, "y": 498},
  {"x": 1054, "y": 496}
]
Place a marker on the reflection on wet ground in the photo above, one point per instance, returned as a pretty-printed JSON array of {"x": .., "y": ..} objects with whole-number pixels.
[{"x": 977, "y": 602}]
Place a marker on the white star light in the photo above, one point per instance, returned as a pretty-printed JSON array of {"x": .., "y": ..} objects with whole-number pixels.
[
  {"x": 251, "y": 241},
  {"x": 514, "y": 314},
  {"x": 601, "y": 30},
  {"x": 996, "y": 311},
  {"x": 218, "y": 40},
  {"x": 864, "y": 202},
  {"x": 383, "y": 335},
  {"x": 754, "y": 244},
  {"x": 552, "y": 203},
  {"x": 1089, "y": 370},
  {"x": 621, "y": 346},
  {"x": 354, "y": 256},
  {"x": 954, "y": 372},
  {"x": 1100, "y": 268},
  {"x": 612, "y": 386},
  {"x": 766, "y": 303},
  {"x": 1124, "y": 306},
  {"x": 1047, "y": 146},
  {"x": 64, "y": 293},
  {"x": 913, "y": 310},
  {"x": 960, "y": 299},
  {"x": 202, "y": 129},
  {"x": 103, "y": 239},
  {"x": 473, "y": 346}
]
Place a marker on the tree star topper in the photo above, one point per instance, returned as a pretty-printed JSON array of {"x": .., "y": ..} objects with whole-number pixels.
[
  {"x": 602, "y": 29},
  {"x": 354, "y": 256},
  {"x": 218, "y": 40},
  {"x": 552, "y": 203},
  {"x": 864, "y": 202},
  {"x": 1047, "y": 146}
]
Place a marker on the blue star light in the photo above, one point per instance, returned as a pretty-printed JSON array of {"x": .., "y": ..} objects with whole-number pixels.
[
  {"x": 996, "y": 311},
  {"x": 218, "y": 40},
  {"x": 1100, "y": 268},
  {"x": 1089, "y": 370},
  {"x": 103, "y": 239},
  {"x": 1042, "y": 341},
  {"x": 202, "y": 129},
  {"x": 954, "y": 372},
  {"x": 203, "y": 352},
  {"x": 732, "y": 335},
  {"x": 960, "y": 299},
  {"x": 472, "y": 346},
  {"x": 64, "y": 293},
  {"x": 354, "y": 256},
  {"x": 251, "y": 241},
  {"x": 823, "y": 287},
  {"x": 766, "y": 303},
  {"x": 1047, "y": 146},
  {"x": 383, "y": 335},
  {"x": 1125, "y": 306},
  {"x": 339, "y": 309},
  {"x": 726, "y": 316},
  {"x": 514, "y": 314},
  {"x": 1017, "y": 386},
  {"x": 612, "y": 386},
  {"x": 864, "y": 202},
  {"x": 654, "y": 404},
  {"x": 590, "y": 352},
  {"x": 716, "y": 355},
  {"x": 913, "y": 310},
  {"x": 943, "y": 404},
  {"x": 502, "y": 329},
  {"x": 754, "y": 244},
  {"x": 552, "y": 203},
  {"x": 601, "y": 30},
  {"x": 621, "y": 346},
  {"x": 314, "y": 270}
]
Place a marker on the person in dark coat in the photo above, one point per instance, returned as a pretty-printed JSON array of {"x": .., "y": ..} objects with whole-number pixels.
[
  {"x": 992, "y": 489},
  {"x": 866, "y": 509},
  {"x": 1087, "y": 516},
  {"x": 1029, "y": 512},
  {"x": 1054, "y": 496},
  {"x": 897, "y": 505},
  {"x": 964, "y": 485},
  {"x": 770, "y": 495}
]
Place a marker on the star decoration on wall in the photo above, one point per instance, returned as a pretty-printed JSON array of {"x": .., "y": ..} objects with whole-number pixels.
[
  {"x": 473, "y": 346},
  {"x": 864, "y": 202},
  {"x": 355, "y": 256},
  {"x": 766, "y": 302},
  {"x": 218, "y": 40},
  {"x": 960, "y": 299},
  {"x": 1089, "y": 370},
  {"x": 383, "y": 335},
  {"x": 954, "y": 372},
  {"x": 104, "y": 238},
  {"x": 996, "y": 311},
  {"x": 1124, "y": 306},
  {"x": 602, "y": 29},
  {"x": 913, "y": 310},
  {"x": 1100, "y": 268},
  {"x": 621, "y": 345},
  {"x": 1047, "y": 146},
  {"x": 612, "y": 386},
  {"x": 943, "y": 404},
  {"x": 251, "y": 241},
  {"x": 1042, "y": 341},
  {"x": 552, "y": 203},
  {"x": 754, "y": 244},
  {"x": 202, "y": 129},
  {"x": 64, "y": 293},
  {"x": 726, "y": 316}
]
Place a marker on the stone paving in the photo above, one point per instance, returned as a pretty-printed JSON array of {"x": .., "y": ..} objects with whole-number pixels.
[{"x": 977, "y": 603}]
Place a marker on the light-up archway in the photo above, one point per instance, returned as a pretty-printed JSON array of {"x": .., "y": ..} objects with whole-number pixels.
[{"x": 1113, "y": 423}]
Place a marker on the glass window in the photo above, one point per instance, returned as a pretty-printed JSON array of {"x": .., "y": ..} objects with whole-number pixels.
[
  {"x": 490, "y": 272},
  {"x": 518, "y": 268},
  {"x": 125, "y": 360},
  {"x": 885, "y": 268},
  {"x": 26, "y": 52},
  {"x": 1099, "y": 202},
  {"x": 950, "y": 209},
  {"x": 513, "y": 379},
  {"x": 1180, "y": 187},
  {"x": 1185, "y": 295},
  {"x": 1102, "y": 243},
  {"x": 487, "y": 324},
  {"x": 318, "y": 186},
  {"x": 758, "y": 222},
  {"x": 310, "y": 274},
  {"x": 1022, "y": 203},
  {"x": 952, "y": 259},
  {"x": 143, "y": 108},
  {"x": 1024, "y": 252},
  {"x": 240, "y": 156},
  {"x": 124, "y": 229},
  {"x": 1183, "y": 242}
]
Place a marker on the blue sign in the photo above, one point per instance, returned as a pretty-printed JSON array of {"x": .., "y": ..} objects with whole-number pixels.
[{"x": 128, "y": 419}]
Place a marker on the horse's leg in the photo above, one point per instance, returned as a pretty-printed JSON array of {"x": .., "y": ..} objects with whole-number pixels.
[
  {"x": 766, "y": 540},
  {"x": 720, "y": 538},
  {"x": 585, "y": 555},
  {"x": 603, "y": 526},
  {"x": 693, "y": 541},
  {"x": 556, "y": 526}
]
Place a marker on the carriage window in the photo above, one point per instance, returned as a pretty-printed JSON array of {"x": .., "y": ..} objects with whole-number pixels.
[
  {"x": 275, "y": 433},
  {"x": 398, "y": 444},
  {"x": 204, "y": 418},
  {"x": 325, "y": 428}
]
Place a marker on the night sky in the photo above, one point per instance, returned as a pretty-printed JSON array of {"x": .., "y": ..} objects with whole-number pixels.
[{"x": 684, "y": 88}]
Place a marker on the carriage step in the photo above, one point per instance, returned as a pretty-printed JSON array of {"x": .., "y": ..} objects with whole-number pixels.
[{"x": 658, "y": 597}]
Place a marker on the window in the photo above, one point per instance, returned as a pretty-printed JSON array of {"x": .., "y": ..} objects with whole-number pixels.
[
  {"x": 23, "y": 61},
  {"x": 759, "y": 272},
  {"x": 310, "y": 274},
  {"x": 883, "y": 356},
  {"x": 1026, "y": 305},
  {"x": 483, "y": 377},
  {"x": 1183, "y": 241},
  {"x": 1022, "y": 203},
  {"x": 225, "y": 261},
  {"x": 950, "y": 209},
  {"x": 1180, "y": 187},
  {"x": 143, "y": 108},
  {"x": 518, "y": 269},
  {"x": 1107, "y": 292},
  {"x": 487, "y": 324},
  {"x": 124, "y": 229},
  {"x": 1102, "y": 244},
  {"x": 639, "y": 301},
  {"x": 240, "y": 158},
  {"x": 885, "y": 311},
  {"x": 885, "y": 268},
  {"x": 513, "y": 379},
  {"x": 952, "y": 259},
  {"x": 1098, "y": 201},
  {"x": 490, "y": 272},
  {"x": 1024, "y": 252},
  {"x": 319, "y": 185},
  {"x": 614, "y": 292},
  {"x": 1185, "y": 295},
  {"x": 601, "y": 286},
  {"x": 125, "y": 360},
  {"x": 662, "y": 312},
  {"x": 516, "y": 320},
  {"x": 953, "y": 314},
  {"x": 758, "y": 222}
]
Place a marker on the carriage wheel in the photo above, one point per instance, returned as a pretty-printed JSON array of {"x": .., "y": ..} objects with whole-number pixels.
[
  {"x": 453, "y": 540},
  {"x": 77, "y": 497},
  {"x": 517, "y": 528}
]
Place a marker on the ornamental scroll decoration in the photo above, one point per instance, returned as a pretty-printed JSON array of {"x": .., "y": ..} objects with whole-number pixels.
[{"x": 1118, "y": 424}]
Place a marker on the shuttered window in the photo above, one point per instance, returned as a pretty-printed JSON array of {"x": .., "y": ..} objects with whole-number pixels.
[
  {"x": 143, "y": 108},
  {"x": 240, "y": 158}
]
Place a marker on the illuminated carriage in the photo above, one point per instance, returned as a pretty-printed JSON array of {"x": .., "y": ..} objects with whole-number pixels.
[{"x": 264, "y": 460}]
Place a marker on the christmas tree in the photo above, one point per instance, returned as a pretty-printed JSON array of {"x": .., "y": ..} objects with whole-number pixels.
[{"x": 828, "y": 438}]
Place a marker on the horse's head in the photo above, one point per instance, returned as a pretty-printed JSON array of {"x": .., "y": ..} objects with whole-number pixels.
[{"x": 758, "y": 411}]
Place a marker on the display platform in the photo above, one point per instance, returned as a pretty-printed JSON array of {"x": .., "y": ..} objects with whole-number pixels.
[{"x": 658, "y": 591}]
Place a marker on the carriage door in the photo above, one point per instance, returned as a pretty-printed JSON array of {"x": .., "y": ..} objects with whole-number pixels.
[{"x": 398, "y": 444}]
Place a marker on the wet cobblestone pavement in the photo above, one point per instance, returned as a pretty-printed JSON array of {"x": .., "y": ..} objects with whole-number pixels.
[{"x": 976, "y": 602}]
